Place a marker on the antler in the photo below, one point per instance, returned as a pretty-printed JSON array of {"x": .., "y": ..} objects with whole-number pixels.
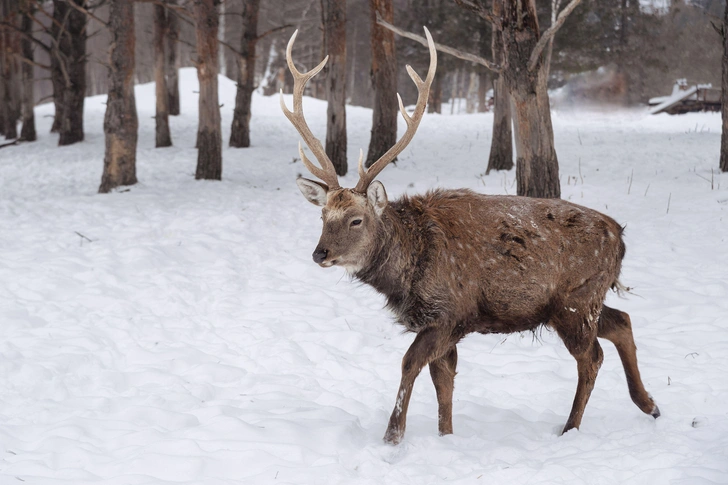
[
  {"x": 423, "y": 88},
  {"x": 327, "y": 173}
]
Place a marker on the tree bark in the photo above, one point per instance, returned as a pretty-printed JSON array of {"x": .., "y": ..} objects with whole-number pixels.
[
  {"x": 434, "y": 103},
  {"x": 724, "y": 112},
  {"x": 482, "y": 91},
  {"x": 172, "y": 64},
  {"x": 27, "y": 133},
  {"x": 209, "y": 134},
  {"x": 11, "y": 73},
  {"x": 334, "y": 20},
  {"x": 163, "y": 137},
  {"x": 120, "y": 123},
  {"x": 71, "y": 69},
  {"x": 240, "y": 130},
  {"x": 537, "y": 167},
  {"x": 501, "y": 145},
  {"x": 58, "y": 69},
  {"x": 384, "y": 83}
]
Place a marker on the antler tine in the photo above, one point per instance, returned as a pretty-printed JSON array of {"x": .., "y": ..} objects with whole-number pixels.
[
  {"x": 413, "y": 122},
  {"x": 327, "y": 173}
]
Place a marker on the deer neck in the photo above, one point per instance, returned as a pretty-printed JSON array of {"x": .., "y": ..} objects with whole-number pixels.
[{"x": 391, "y": 263}]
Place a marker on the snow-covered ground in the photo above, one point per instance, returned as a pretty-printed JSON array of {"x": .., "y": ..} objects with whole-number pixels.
[{"x": 178, "y": 332}]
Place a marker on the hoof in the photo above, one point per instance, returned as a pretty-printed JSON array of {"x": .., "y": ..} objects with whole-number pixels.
[
  {"x": 655, "y": 412},
  {"x": 393, "y": 436}
]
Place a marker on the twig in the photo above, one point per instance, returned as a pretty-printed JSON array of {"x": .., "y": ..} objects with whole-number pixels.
[
  {"x": 82, "y": 236},
  {"x": 84, "y": 11},
  {"x": 14, "y": 142},
  {"x": 631, "y": 176},
  {"x": 32, "y": 63},
  {"x": 548, "y": 35},
  {"x": 24, "y": 34},
  {"x": 476, "y": 7},
  {"x": 442, "y": 48},
  {"x": 273, "y": 30},
  {"x": 580, "y": 175},
  {"x": 668, "y": 203}
]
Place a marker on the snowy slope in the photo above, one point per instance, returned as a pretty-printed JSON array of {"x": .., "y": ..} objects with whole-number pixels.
[{"x": 193, "y": 341}]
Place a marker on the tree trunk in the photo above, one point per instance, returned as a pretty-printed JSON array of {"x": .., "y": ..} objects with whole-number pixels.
[
  {"x": 209, "y": 134},
  {"x": 471, "y": 94},
  {"x": 434, "y": 103},
  {"x": 172, "y": 65},
  {"x": 454, "y": 91},
  {"x": 3, "y": 107},
  {"x": 334, "y": 20},
  {"x": 724, "y": 135},
  {"x": 486, "y": 47},
  {"x": 71, "y": 45},
  {"x": 537, "y": 168},
  {"x": 58, "y": 70},
  {"x": 482, "y": 91},
  {"x": 163, "y": 137},
  {"x": 11, "y": 73},
  {"x": 120, "y": 123},
  {"x": 501, "y": 145},
  {"x": 240, "y": 130},
  {"x": 384, "y": 83},
  {"x": 27, "y": 133}
]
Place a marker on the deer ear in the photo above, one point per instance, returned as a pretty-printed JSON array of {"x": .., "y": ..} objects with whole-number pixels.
[
  {"x": 315, "y": 192},
  {"x": 377, "y": 196}
]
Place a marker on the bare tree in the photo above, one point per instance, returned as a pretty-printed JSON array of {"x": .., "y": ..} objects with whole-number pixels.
[
  {"x": 525, "y": 74},
  {"x": 209, "y": 134},
  {"x": 10, "y": 88},
  {"x": 121, "y": 122},
  {"x": 163, "y": 137},
  {"x": 434, "y": 103},
  {"x": 240, "y": 130},
  {"x": 333, "y": 13},
  {"x": 501, "y": 145},
  {"x": 724, "y": 112},
  {"x": 172, "y": 64},
  {"x": 384, "y": 82},
  {"x": 69, "y": 68},
  {"x": 27, "y": 133}
]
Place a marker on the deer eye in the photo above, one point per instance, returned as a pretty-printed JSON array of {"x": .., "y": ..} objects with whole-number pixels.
[{"x": 356, "y": 222}]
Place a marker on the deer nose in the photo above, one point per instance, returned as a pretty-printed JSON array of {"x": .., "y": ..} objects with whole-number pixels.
[{"x": 320, "y": 255}]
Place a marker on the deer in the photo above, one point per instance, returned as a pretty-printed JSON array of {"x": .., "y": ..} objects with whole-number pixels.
[{"x": 454, "y": 262}]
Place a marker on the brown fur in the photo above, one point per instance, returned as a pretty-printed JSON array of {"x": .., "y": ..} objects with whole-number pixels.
[{"x": 453, "y": 262}]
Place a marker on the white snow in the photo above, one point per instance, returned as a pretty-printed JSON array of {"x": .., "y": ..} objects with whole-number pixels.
[{"x": 193, "y": 340}]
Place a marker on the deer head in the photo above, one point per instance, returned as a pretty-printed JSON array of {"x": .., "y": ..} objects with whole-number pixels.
[{"x": 351, "y": 216}]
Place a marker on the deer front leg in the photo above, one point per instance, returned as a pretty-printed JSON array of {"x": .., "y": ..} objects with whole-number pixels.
[
  {"x": 430, "y": 344},
  {"x": 442, "y": 371}
]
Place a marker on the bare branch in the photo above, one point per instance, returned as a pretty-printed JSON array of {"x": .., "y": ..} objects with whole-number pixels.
[
  {"x": 84, "y": 11},
  {"x": 32, "y": 63},
  {"x": 719, "y": 29},
  {"x": 26, "y": 35},
  {"x": 273, "y": 30},
  {"x": 442, "y": 48},
  {"x": 477, "y": 7},
  {"x": 549, "y": 34}
]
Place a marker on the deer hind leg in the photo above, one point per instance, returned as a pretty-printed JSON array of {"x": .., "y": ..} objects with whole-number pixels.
[
  {"x": 442, "y": 371},
  {"x": 430, "y": 344},
  {"x": 616, "y": 327},
  {"x": 579, "y": 334}
]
